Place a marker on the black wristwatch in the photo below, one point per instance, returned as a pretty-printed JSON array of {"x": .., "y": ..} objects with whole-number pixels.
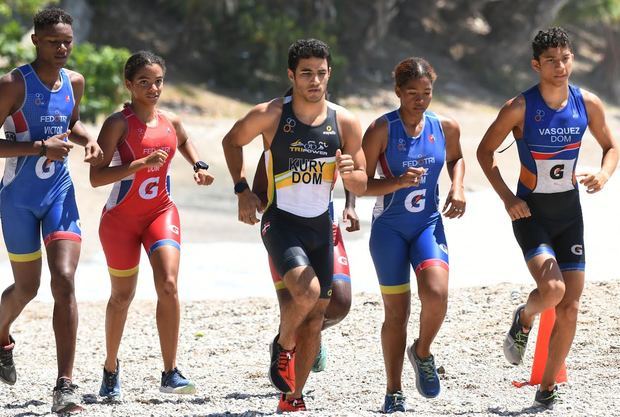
[
  {"x": 200, "y": 165},
  {"x": 241, "y": 186}
]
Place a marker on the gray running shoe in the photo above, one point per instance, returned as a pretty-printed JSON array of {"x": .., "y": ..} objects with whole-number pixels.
[
  {"x": 516, "y": 339},
  {"x": 7, "y": 366},
  {"x": 65, "y": 397},
  {"x": 546, "y": 399}
]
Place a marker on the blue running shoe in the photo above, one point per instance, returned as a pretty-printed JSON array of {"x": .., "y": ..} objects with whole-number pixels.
[
  {"x": 111, "y": 384},
  {"x": 173, "y": 382},
  {"x": 394, "y": 403},
  {"x": 320, "y": 362},
  {"x": 426, "y": 378}
]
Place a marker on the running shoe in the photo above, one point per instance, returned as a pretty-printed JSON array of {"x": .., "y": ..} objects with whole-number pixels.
[
  {"x": 282, "y": 368},
  {"x": 426, "y": 377},
  {"x": 516, "y": 339},
  {"x": 292, "y": 405},
  {"x": 173, "y": 382},
  {"x": 394, "y": 403},
  {"x": 65, "y": 398},
  {"x": 546, "y": 399},
  {"x": 7, "y": 366},
  {"x": 111, "y": 384},
  {"x": 320, "y": 362}
]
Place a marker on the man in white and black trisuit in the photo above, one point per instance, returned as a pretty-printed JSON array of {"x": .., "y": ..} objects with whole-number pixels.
[{"x": 307, "y": 140}]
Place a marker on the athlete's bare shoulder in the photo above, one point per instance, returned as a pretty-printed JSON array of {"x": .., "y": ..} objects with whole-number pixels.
[
  {"x": 77, "y": 83},
  {"x": 448, "y": 124},
  {"x": 171, "y": 116},
  {"x": 116, "y": 120},
  {"x": 516, "y": 103},
  {"x": 76, "y": 78},
  {"x": 513, "y": 111},
  {"x": 11, "y": 84},
  {"x": 12, "y": 90},
  {"x": 343, "y": 115},
  {"x": 271, "y": 108},
  {"x": 265, "y": 114},
  {"x": 590, "y": 99},
  {"x": 594, "y": 108},
  {"x": 378, "y": 126}
]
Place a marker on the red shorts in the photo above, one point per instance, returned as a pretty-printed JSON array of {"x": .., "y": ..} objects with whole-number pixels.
[
  {"x": 341, "y": 262},
  {"x": 121, "y": 236}
]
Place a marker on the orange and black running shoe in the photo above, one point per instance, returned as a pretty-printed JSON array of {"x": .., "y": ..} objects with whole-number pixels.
[
  {"x": 292, "y": 405},
  {"x": 282, "y": 368}
]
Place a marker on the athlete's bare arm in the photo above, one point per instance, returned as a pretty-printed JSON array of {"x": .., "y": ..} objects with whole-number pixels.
[
  {"x": 351, "y": 162},
  {"x": 374, "y": 144},
  {"x": 11, "y": 96},
  {"x": 455, "y": 200},
  {"x": 78, "y": 132},
  {"x": 113, "y": 131},
  {"x": 349, "y": 215},
  {"x": 509, "y": 119},
  {"x": 259, "y": 183},
  {"x": 262, "y": 120},
  {"x": 188, "y": 150},
  {"x": 601, "y": 132}
]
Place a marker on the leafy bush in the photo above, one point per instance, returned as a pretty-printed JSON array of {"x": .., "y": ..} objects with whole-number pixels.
[
  {"x": 102, "y": 67},
  {"x": 12, "y": 51}
]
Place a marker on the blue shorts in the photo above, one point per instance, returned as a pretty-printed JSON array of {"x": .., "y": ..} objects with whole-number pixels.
[
  {"x": 393, "y": 250},
  {"x": 57, "y": 218}
]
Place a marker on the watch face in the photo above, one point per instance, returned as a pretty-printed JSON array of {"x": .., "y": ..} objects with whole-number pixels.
[
  {"x": 241, "y": 186},
  {"x": 201, "y": 165}
]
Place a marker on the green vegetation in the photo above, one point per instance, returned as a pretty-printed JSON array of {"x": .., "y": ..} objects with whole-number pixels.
[
  {"x": 101, "y": 66},
  {"x": 102, "y": 69}
]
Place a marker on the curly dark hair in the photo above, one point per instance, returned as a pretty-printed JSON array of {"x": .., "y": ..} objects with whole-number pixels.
[
  {"x": 51, "y": 17},
  {"x": 307, "y": 48},
  {"x": 551, "y": 38},
  {"x": 141, "y": 59},
  {"x": 413, "y": 68}
]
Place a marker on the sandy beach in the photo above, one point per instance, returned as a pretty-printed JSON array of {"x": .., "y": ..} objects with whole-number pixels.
[
  {"x": 230, "y": 312},
  {"x": 224, "y": 349}
]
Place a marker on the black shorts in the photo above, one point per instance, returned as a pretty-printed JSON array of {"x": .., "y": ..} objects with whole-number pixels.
[
  {"x": 555, "y": 227},
  {"x": 293, "y": 241}
]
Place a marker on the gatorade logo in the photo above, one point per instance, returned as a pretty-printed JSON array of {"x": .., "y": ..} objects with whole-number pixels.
[
  {"x": 415, "y": 201},
  {"x": 149, "y": 188},
  {"x": 44, "y": 169},
  {"x": 342, "y": 260},
  {"x": 175, "y": 229},
  {"x": 577, "y": 249},
  {"x": 557, "y": 172}
]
